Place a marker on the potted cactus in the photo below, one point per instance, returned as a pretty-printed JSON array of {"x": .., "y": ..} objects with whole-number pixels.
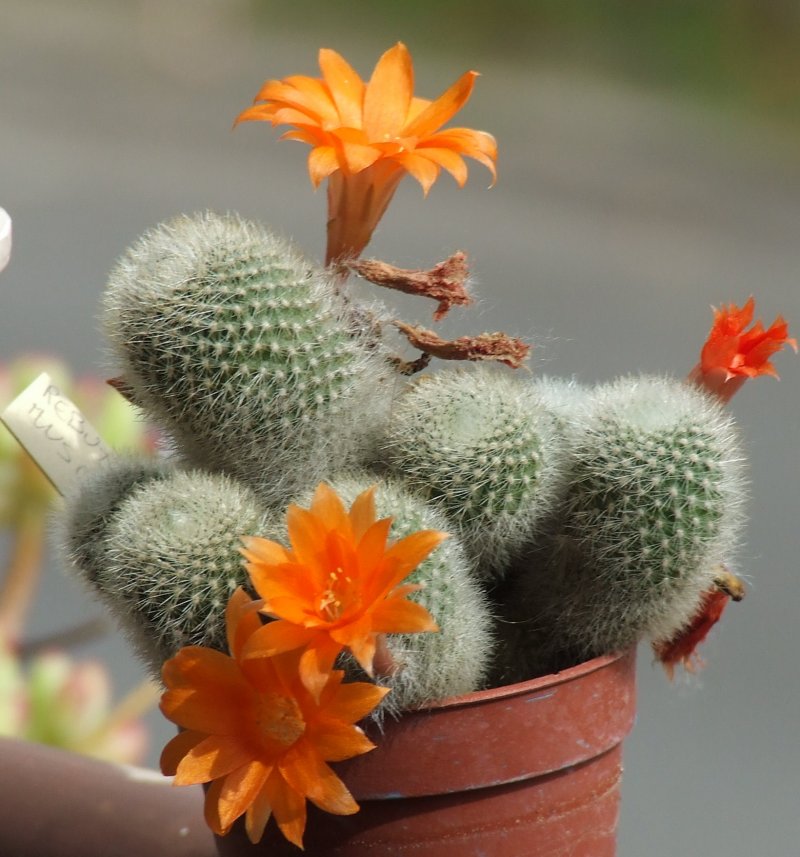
[{"x": 461, "y": 562}]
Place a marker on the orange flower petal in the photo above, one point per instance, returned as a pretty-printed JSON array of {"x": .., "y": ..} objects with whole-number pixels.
[
  {"x": 443, "y": 108},
  {"x": 316, "y": 664},
  {"x": 194, "y": 665},
  {"x": 415, "y": 108},
  {"x": 337, "y": 741},
  {"x": 400, "y": 616},
  {"x": 239, "y": 790},
  {"x": 214, "y": 710},
  {"x": 362, "y": 512},
  {"x": 307, "y": 774},
  {"x": 284, "y": 93},
  {"x": 258, "y": 814},
  {"x": 303, "y": 135},
  {"x": 275, "y": 583},
  {"x": 176, "y": 749},
  {"x": 388, "y": 94},
  {"x": 358, "y": 637},
  {"x": 407, "y": 553},
  {"x": 276, "y": 637},
  {"x": 353, "y": 701},
  {"x": 478, "y": 145},
  {"x": 452, "y": 162},
  {"x": 309, "y": 542},
  {"x": 211, "y": 808},
  {"x": 372, "y": 549},
  {"x": 288, "y": 807},
  {"x": 467, "y": 141},
  {"x": 214, "y": 757},
  {"x": 422, "y": 169},
  {"x": 257, "y": 549},
  {"x": 329, "y": 510},
  {"x": 260, "y": 113},
  {"x": 241, "y": 620},
  {"x": 345, "y": 85},
  {"x": 318, "y": 96},
  {"x": 358, "y": 157},
  {"x": 290, "y": 116}
]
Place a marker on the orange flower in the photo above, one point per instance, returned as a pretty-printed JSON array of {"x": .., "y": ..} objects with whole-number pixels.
[
  {"x": 339, "y": 585},
  {"x": 255, "y": 732},
  {"x": 366, "y": 136},
  {"x": 732, "y": 354}
]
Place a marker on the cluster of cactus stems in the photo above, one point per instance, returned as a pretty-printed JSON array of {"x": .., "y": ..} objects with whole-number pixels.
[{"x": 582, "y": 520}]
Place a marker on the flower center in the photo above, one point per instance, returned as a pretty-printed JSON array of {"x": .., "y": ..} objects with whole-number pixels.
[
  {"x": 335, "y": 596},
  {"x": 279, "y": 720}
]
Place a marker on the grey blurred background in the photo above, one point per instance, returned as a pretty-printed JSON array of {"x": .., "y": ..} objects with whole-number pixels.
[{"x": 649, "y": 168}]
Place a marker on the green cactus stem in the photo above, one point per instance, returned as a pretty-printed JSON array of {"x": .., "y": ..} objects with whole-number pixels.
[
  {"x": 245, "y": 353},
  {"x": 488, "y": 450}
]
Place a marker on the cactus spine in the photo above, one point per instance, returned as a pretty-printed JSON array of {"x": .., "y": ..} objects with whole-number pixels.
[
  {"x": 245, "y": 353},
  {"x": 485, "y": 447}
]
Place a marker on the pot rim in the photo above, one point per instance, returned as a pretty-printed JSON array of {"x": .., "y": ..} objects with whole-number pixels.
[{"x": 539, "y": 683}]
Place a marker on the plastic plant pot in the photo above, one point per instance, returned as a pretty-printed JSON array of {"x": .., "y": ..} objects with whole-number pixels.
[{"x": 528, "y": 769}]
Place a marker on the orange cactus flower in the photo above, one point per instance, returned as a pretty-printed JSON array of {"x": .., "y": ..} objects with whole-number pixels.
[
  {"x": 366, "y": 136},
  {"x": 253, "y": 730},
  {"x": 732, "y": 354},
  {"x": 338, "y": 587}
]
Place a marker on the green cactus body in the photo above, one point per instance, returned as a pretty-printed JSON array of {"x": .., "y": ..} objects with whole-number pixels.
[
  {"x": 167, "y": 559},
  {"x": 487, "y": 449},
  {"x": 455, "y": 659},
  {"x": 654, "y": 507},
  {"x": 245, "y": 353},
  {"x": 91, "y": 507}
]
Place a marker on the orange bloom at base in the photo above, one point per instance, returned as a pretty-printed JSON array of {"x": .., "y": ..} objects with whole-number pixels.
[
  {"x": 733, "y": 354},
  {"x": 366, "y": 136},
  {"x": 338, "y": 587},
  {"x": 254, "y": 731}
]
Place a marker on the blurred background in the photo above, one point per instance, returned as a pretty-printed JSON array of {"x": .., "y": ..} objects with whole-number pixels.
[{"x": 649, "y": 168}]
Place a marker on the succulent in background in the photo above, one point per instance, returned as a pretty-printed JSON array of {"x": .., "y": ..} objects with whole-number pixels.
[
  {"x": 245, "y": 353},
  {"x": 54, "y": 700},
  {"x": 486, "y": 448},
  {"x": 654, "y": 508}
]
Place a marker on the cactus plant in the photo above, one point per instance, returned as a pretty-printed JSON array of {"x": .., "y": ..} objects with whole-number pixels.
[
  {"x": 654, "y": 507},
  {"x": 92, "y": 505},
  {"x": 488, "y": 450},
  {"x": 245, "y": 353},
  {"x": 165, "y": 558},
  {"x": 456, "y": 659}
]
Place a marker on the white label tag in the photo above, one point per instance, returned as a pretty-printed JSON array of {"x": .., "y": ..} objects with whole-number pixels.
[{"x": 54, "y": 432}]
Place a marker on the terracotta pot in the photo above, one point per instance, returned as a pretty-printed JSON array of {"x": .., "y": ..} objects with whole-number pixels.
[{"x": 526, "y": 770}]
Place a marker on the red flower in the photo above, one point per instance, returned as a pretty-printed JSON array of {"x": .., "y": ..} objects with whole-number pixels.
[
  {"x": 681, "y": 649},
  {"x": 733, "y": 354}
]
